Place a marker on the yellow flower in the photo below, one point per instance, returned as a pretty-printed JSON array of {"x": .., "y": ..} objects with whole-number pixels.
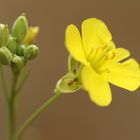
[
  {"x": 31, "y": 35},
  {"x": 102, "y": 61}
]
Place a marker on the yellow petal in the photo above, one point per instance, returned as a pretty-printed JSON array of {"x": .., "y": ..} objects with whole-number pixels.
[
  {"x": 31, "y": 35},
  {"x": 121, "y": 54},
  {"x": 111, "y": 45},
  {"x": 74, "y": 44},
  {"x": 95, "y": 34},
  {"x": 125, "y": 75},
  {"x": 97, "y": 87},
  {"x": 131, "y": 64}
]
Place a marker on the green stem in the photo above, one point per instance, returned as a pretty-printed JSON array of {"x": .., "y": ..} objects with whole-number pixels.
[
  {"x": 22, "y": 82},
  {"x": 35, "y": 114},
  {"x": 11, "y": 108},
  {"x": 2, "y": 78}
]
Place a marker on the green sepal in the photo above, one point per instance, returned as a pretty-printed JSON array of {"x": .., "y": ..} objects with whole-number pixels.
[
  {"x": 4, "y": 35},
  {"x": 72, "y": 64},
  {"x": 68, "y": 84},
  {"x": 20, "y": 28},
  {"x": 5, "y": 56}
]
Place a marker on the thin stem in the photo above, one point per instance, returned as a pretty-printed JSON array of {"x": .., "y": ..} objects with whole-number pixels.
[
  {"x": 23, "y": 80},
  {"x": 35, "y": 114},
  {"x": 3, "y": 82},
  {"x": 11, "y": 108},
  {"x": 20, "y": 85}
]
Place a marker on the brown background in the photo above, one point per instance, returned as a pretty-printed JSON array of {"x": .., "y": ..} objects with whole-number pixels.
[{"x": 74, "y": 117}]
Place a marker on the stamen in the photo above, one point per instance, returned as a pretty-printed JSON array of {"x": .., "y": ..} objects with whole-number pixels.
[
  {"x": 72, "y": 81},
  {"x": 110, "y": 56}
]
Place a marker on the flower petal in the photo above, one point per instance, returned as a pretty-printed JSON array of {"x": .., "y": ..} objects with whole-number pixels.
[
  {"x": 121, "y": 54},
  {"x": 74, "y": 43},
  {"x": 95, "y": 34},
  {"x": 112, "y": 57},
  {"x": 31, "y": 35},
  {"x": 125, "y": 75},
  {"x": 98, "y": 87}
]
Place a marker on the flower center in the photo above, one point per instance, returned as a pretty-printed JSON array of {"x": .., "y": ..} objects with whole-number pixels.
[{"x": 102, "y": 58}]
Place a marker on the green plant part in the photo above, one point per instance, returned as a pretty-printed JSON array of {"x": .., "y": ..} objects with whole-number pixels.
[
  {"x": 15, "y": 53},
  {"x": 17, "y": 63},
  {"x": 12, "y": 44},
  {"x": 5, "y": 56},
  {"x": 72, "y": 65},
  {"x": 20, "y": 28},
  {"x": 68, "y": 84},
  {"x": 31, "y": 52},
  {"x": 4, "y": 35},
  {"x": 20, "y": 49}
]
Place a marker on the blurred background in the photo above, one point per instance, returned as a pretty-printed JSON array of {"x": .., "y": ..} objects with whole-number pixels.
[{"x": 73, "y": 116}]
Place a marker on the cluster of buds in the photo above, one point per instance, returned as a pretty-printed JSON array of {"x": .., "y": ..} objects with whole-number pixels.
[{"x": 17, "y": 47}]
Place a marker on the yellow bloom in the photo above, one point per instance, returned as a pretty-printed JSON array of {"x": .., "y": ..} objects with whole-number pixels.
[
  {"x": 31, "y": 35},
  {"x": 102, "y": 61}
]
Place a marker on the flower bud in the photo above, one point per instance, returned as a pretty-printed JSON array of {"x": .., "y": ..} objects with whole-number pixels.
[
  {"x": 31, "y": 35},
  {"x": 68, "y": 84},
  {"x": 4, "y": 34},
  {"x": 12, "y": 44},
  {"x": 20, "y": 28},
  {"x": 17, "y": 63},
  {"x": 31, "y": 51},
  {"x": 5, "y": 56},
  {"x": 20, "y": 49}
]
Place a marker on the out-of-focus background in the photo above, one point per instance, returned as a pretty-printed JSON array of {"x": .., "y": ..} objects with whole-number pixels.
[{"x": 73, "y": 116}]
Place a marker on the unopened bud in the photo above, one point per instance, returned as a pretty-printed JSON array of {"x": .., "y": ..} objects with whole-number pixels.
[
  {"x": 5, "y": 56},
  {"x": 20, "y": 28},
  {"x": 20, "y": 49},
  {"x": 31, "y": 51},
  {"x": 4, "y": 34},
  {"x": 18, "y": 62},
  {"x": 12, "y": 44},
  {"x": 31, "y": 35}
]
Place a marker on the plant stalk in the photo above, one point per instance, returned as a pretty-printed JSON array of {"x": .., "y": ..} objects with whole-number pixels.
[
  {"x": 35, "y": 114},
  {"x": 11, "y": 108}
]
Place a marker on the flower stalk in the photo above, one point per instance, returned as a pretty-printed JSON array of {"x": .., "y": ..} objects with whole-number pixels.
[
  {"x": 35, "y": 115},
  {"x": 11, "y": 107}
]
